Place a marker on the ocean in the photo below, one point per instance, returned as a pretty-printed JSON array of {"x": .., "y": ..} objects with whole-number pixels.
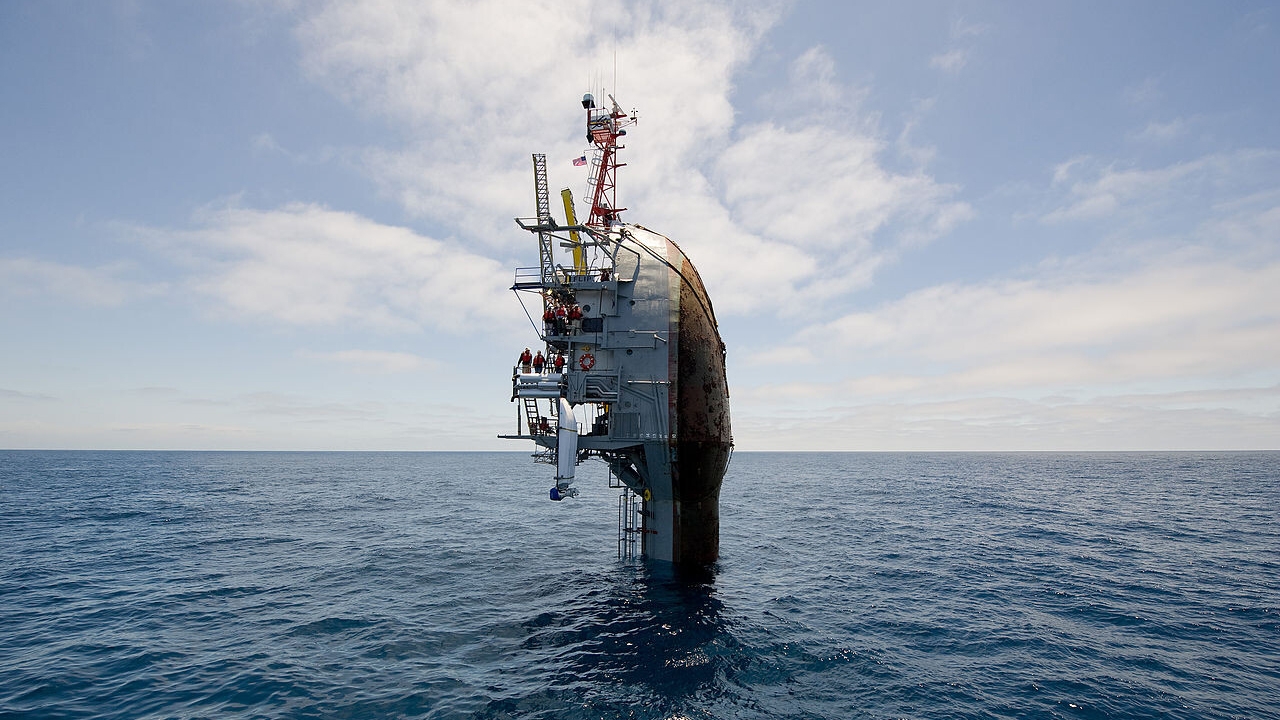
[{"x": 447, "y": 585}]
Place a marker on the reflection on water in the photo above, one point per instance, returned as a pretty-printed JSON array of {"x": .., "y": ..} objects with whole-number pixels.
[{"x": 650, "y": 629}]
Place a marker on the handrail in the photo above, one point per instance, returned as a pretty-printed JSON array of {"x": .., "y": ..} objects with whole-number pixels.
[{"x": 528, "y": 276}]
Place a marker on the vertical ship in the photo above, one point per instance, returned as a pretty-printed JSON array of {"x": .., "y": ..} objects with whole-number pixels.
[{"x": 629, "y": 366}]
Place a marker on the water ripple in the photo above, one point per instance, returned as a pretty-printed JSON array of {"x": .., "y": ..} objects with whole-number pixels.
[{"x": 444, "y": 586}]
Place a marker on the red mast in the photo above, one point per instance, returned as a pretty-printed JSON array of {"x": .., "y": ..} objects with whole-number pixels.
[{"x": 604, "y": 127}]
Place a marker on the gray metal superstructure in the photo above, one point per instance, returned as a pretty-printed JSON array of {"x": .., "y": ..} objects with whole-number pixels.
[{"x": 643, "y": 384}]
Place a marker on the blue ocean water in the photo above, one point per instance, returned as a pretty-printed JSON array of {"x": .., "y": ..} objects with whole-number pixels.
[{"x": 437, "y": 585}]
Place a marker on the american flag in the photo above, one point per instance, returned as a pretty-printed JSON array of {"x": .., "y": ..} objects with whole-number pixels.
[{"x": 580, "y": 161}]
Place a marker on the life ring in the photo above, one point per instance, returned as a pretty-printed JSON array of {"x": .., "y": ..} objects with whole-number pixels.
[{"x": 587, "y": 361}]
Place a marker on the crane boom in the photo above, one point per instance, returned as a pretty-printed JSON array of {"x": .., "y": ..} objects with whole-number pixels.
[{"x": 579, "y": 259}]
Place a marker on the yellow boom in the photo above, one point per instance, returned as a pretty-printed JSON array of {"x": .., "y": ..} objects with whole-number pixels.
[{"x": 579, "y": 259}]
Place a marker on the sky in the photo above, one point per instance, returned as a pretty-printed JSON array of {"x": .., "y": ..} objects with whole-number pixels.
[{"x": 927, "y": 226}]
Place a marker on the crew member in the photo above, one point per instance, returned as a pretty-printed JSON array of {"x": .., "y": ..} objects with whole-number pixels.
[
  {"x": 526, "y": 359},
  {"x": 561, "y": 317},
  {"x": 539, "y": 362},
  {"x": 559, "y": 363},
  {"x": 575, "y": 318}
]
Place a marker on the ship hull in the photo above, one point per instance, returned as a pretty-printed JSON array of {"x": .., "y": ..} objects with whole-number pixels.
[
  {"x": 639, "y": 364},
  {"x": 700, "y": 446}
]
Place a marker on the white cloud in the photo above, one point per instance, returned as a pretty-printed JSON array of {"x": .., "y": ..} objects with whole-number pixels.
[
  {"x": 819, "y": 196},
  {"x": 962, "y": 28},
  {"x": 1209, "y": 319},
  {"x": 480, "y": 96},
  {"x": 8, "y": 394},
  {"x": 1162, "y": 132},
  {"x": 955, "y": 59},
  {"x": 1166, "y": 338},
  {"x": 265, "y": 143},
  {"x": 377, "y": 361},
  {"x": 464, "y": 65},
  {"x": 754, "y": 206},
  {"x": 802, "y": 209},
  {"x": 1096, "y": 190},
  {"x": 813, "y": 83},
  {"x": 1249, "y": 226},
  {"x": 950, "y": 61},
  {"x": 1154, "y": 421},
  {"x": 307, "y": 410},
  {"x": 309, "y": 265},
  {"x": 789, "y": 202},
  {"x": 1146, "y": 93},
  {"x": 848, "y": 195},
  {"x": 905, "y": 144},
  {"x": 1182, "y": 352},
  {"x": 100, "y": 286}
]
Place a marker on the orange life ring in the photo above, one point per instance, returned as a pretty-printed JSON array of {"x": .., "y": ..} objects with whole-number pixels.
[{"x": 587, "y": 361}]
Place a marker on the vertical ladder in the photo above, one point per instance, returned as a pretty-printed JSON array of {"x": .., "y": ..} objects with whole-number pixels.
[
  {"x": 531, "y": 414},
  {"x": 543, "y": 196},
  {"x": 591, "y": 175},
  {"x": 629, "y": 528},
  {"x": 542, "y": 454}
]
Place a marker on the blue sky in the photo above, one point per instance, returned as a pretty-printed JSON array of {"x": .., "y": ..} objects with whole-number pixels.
[{"x": 932, "y": 226}]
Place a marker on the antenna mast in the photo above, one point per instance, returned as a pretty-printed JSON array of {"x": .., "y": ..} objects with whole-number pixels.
[{"x": 604, "y": 127}]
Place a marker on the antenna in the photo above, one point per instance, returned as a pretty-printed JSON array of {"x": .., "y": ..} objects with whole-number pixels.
[{"x": 604, "y": 126}]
